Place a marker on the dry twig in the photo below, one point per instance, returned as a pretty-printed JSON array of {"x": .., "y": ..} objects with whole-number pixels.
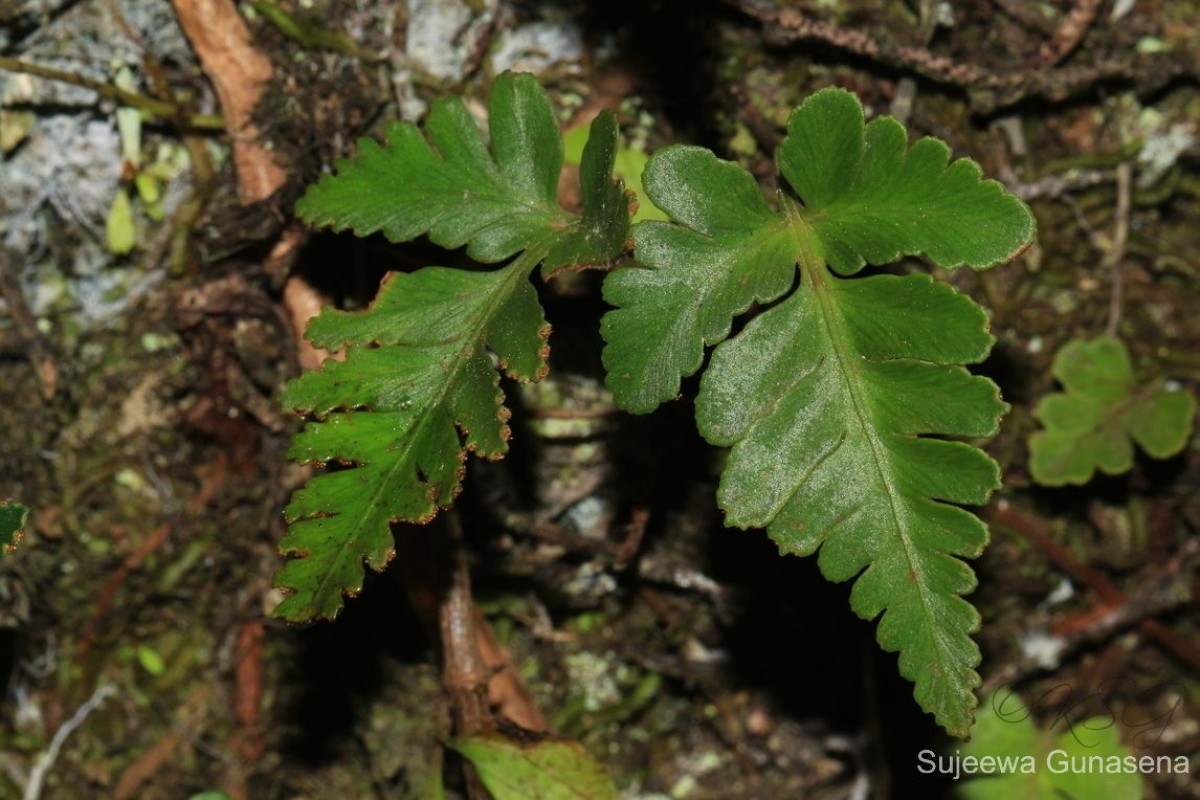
[
  {"x": 1024, "y": 13},
  {"x": 1118, "y": 609},
  {"x": 1069, "y": 34},
  {"x": 35, "y": 344},
  {"x": 172, "y": 112}
]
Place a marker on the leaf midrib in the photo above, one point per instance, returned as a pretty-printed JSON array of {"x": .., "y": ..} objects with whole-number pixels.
[{"x": 813, "y": 269}]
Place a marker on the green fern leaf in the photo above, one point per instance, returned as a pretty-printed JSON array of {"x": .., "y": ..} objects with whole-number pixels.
[
  {"x": 418, "y": 390},
  {"x": 830, "y": 398},
  {"x": 1095, "y": 422},
  {"x": 597, "y": 237},
  {"x": 730, "y": 251}
]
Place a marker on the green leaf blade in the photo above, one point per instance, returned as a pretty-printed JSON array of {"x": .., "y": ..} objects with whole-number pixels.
[
  {"x": 416, "y": 391},
  {"x": 823, "y": 417},
  {"x": 870, "y": 202},
  {"x": 1028, "y": 761},
  {"x": 831, "y": 399},
  {"x": 1162, "y": 423},
  {"x": 525, "y": 137},
  {"x": 1093, "y": 424}
]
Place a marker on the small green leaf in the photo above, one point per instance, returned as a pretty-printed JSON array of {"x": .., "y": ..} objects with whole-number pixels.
[
  {"x": 14, "y": 127},
  {"x": 1035, "y": 764},
  {"x": 629, "y": 164},
  {"x": 1095, "y": 422},
  {"x": 834, "y": 399},
  {"x": 542, "y": 768},
  {"x": 151, "y": 660},
  {"x": 13, "y": 516}
]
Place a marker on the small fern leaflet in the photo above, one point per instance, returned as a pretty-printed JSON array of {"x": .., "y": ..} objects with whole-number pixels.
[{"x": 417, "y": 389}]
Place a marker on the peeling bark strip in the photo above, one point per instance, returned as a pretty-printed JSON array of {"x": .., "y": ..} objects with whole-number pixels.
[{"x": 238, "y": 72}]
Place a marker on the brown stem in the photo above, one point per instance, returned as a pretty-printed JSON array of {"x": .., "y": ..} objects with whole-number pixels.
[
  {"x": 477, "y": 672},
  {"x": 464, "y": 673},
  {"x": 438, "y": 584},
  {"x": 1027, "y": 15}
]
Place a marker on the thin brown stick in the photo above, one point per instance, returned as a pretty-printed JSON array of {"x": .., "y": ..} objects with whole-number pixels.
[
  {"x": 1069, "y": 34},
  {"x": 91, "y": 631},
  {"x": 464, "y": 672},
  {"x": 1027, "y": 15},
  {"x": 1053, "y": 187},
  {"x": 172, "y": 112},
  {"x": 477, "y": 672}
]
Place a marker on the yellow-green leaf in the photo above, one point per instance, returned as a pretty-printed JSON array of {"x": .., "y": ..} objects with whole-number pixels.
[
  {"x": 535, "y": 768},
  {"x": 119, "y": 230},
  {"x": 1104, "y": 410}
]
